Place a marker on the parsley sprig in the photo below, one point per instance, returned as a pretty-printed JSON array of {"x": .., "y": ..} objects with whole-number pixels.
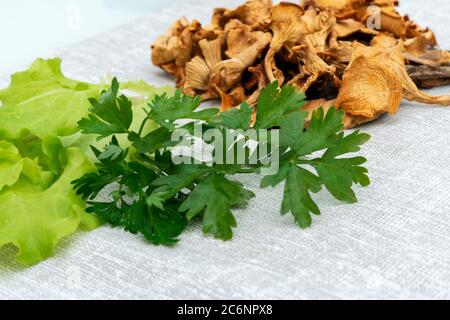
[{"x": 151, "y": 195}]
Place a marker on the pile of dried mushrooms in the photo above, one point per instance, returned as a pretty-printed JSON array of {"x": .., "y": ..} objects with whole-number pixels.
[{"x": 357, "y": 55}]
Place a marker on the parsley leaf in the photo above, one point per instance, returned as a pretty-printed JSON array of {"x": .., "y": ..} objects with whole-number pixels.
[
  {"x": 322, "y": 132},
  {"x": 166, "y": 110},
  {"x": 215, "y": 196},
  {"x": 111, "y": 168},
  {"x": 237, "y": 118},
  {"x": 151, "y": 195},
  {"x": 274, "y": 103},
  {"x": 297, "y": 199},
  {"x": 155, "y": 140},
  {"x": 181, "y": 178},
  {"x": 110, "y": 115},
  {"x": 337, "y": 174},
  {"x": 290, "y": 134},
  {"x": 158, "y": 226}
]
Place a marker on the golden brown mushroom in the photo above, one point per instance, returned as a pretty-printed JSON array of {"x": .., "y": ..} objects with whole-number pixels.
[
  {"x": 253, "y": 13},
  {"x": 173, "y": 50},
  {"x": 313, "y": 67},
  {"x": 393, "y": 57},
  {"x": 333, "y": 49},
  {"x": 420, "y": 51},
  {"x": 287, "y": 28},
  {"x": 369, "y": 89},
  {"x": 228, "y": 72},
  {"x": 262, "y": 81},
  {"x": 329, "y": 4},
  {"x": 198, "y": 70}
]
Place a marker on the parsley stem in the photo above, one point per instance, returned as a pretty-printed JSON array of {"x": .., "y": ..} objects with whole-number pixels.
[
  {"x": 141, "y": 129},
  {"x": 149, "y": 164}
]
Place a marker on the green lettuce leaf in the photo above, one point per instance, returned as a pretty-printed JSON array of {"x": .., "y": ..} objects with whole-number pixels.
[
  {"x": 43, "y": 77},
  {"x": 35, "y": 219},
  {"x": 12, "y": 166},
  {"x": 44, "y": 102},
  {"x": 42, "y": 150}
]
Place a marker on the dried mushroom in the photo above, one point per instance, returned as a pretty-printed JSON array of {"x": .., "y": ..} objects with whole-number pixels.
[
  {"x": 370, "y": 89},
  {"x": 348, "y": 27},
  {"x": 391, "y": 55},
  {"x": 313, "y": 67},
  {"x": 362, "y": 56},
  {"x": 417, "y": 51},
  {"x": 227, "y": 73},
  {"x": 255, "y": 13},
  {"x": 287, "y": 28}
]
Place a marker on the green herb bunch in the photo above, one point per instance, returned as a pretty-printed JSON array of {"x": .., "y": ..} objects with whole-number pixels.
[{"x": 150, "y": 194}]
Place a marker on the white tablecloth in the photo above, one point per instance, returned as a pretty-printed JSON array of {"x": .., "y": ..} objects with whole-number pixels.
[{"x": 393, "y": 244}]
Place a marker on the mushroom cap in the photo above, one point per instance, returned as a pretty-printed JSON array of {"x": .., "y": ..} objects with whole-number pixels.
[
  {"x": 369, "y": 88},
  {"x": 252, "y": 13},
  {"x": 228, "y": 72},
  {"x": 330, "y": 4}
]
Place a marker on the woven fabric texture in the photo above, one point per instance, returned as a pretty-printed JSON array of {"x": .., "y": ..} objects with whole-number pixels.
[{"x": 393, "y": 244}]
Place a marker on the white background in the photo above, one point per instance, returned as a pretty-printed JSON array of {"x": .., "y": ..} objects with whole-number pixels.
[{"x": 32, "y": 28}]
